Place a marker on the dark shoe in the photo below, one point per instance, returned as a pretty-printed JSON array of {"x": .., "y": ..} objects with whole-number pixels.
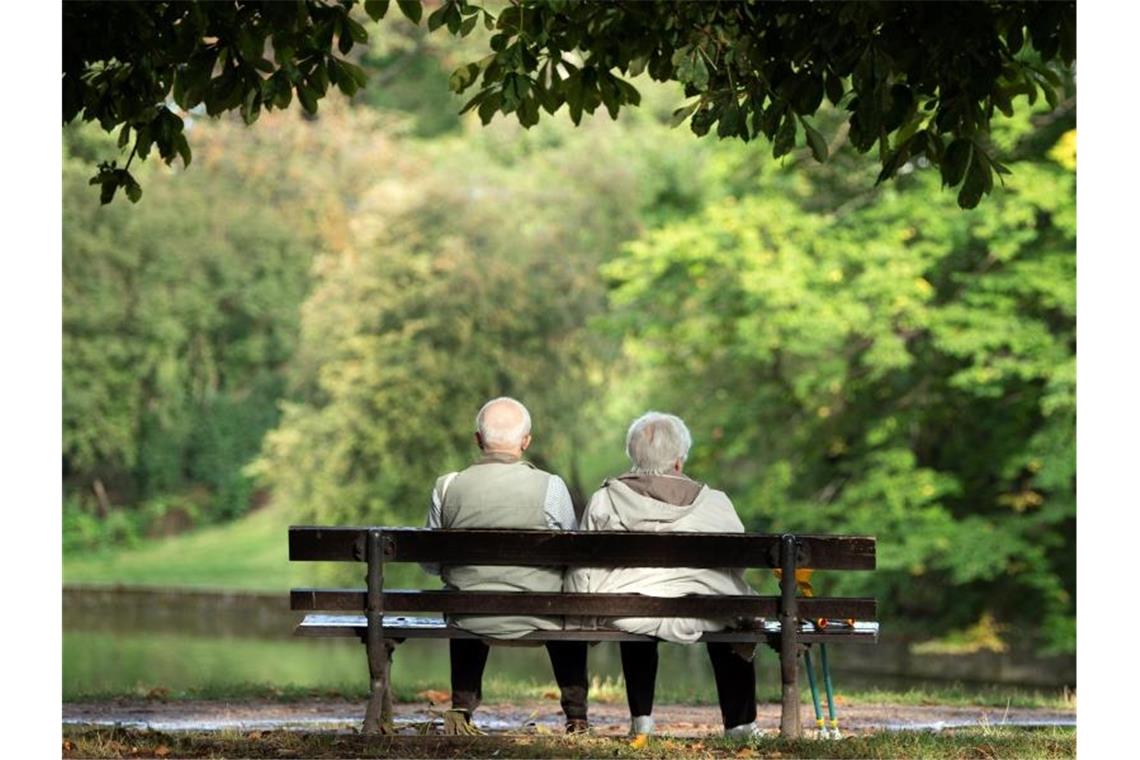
[{"x": 577, "y": 726}]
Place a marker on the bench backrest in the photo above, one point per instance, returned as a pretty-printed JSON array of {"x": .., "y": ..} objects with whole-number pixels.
[
  {"x": 378, "y": 546},
  {"x": 579, "y": 548}
]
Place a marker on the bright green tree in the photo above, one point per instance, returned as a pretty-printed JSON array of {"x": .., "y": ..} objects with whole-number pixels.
[{"x": 891, "y": 368}]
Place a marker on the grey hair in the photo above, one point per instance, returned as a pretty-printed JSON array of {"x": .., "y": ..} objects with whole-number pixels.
[
  {"x": 655, "y": 441},
  {"x": 498, "y": 436}
]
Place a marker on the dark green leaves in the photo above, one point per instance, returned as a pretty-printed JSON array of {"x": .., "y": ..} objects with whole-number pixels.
[
  {"x": 754, "y": 73},
  {"x": 413, "y": 9},
  {"x": 110, "y": 179},
  {"x": 815, "y": 142},
  {"x": 967, "y": 163},
  {"x": 768, "y": 73},
  {"x": 376, "y": 9}
]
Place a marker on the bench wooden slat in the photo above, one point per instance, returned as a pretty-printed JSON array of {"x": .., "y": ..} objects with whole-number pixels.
[
  {"x": 402, "y": 627},
  {"x": 624, "y": 605},
  {"x": 579, "y": 548}
]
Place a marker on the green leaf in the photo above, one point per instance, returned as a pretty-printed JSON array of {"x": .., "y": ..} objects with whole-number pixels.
[
  {"x": 807, "y": 94},
  {"x": 815, "y": 141},
  {"x": 977, "y": 180},
  {"x": 728, "y": 122},
  {"x": 344, "y": 40},
  {"x": 376, "y": 9},
  {"x": 628, "y": 92},
  {"x": 475, "y": 100},
  {"x": 490, "y": 106},
  {"x": 357, "y": 73},
  {"x": 358, "y": 32},
  {"x": 956, "y": 160},
  {"x": 308, "y": 98},
  {"x": 468, "y": 25},
  {"x": 437, "y": 17},
  {"x": 251, "y": 105},
  {"x": 464, "y": 76},
  {"x": 834, "y": 86},
  {"x": 896, "y": 159},
  {"x": 700, "y": 72},
  {"x": 183, "y": 147},
  {"x": 683, "y": 113},
  {"x": 785, "y": 137},
  {"x": 1015, "y": 39},
  {"x": 412, "y": 9},
  {"x": 134, "y": 191}
]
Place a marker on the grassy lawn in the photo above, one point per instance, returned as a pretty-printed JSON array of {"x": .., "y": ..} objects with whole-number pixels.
[
  {"x": 248, "y": 554},
  {"x": 972, "y": 743}
]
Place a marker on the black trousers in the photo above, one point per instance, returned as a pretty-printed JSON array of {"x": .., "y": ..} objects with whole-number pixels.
[
  {"x": 568, "y": 658},
  {"x": 735, "y": 680}
]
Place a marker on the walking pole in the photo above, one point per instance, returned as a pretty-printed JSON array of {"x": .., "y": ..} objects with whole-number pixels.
[
  {"x": 814, "y": 694},
  {"x": 830, "y": 697}
]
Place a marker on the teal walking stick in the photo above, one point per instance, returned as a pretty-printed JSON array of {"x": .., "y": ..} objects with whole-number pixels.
[
  {"x": 814, "y": 694},
  {"x": 830, "y": 697}
]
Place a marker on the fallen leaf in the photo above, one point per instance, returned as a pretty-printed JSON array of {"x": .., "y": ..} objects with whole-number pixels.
[
  {"x": 158, "y": 692},
  {"x": 746, "y": 752},
  {"x": 162, "y": 750},
  {"x": 639, "y": 741},
  {"x": 435, "y": 696},
  {"x": 68, "y": 745},
  {"x": 550, "y": 695}
]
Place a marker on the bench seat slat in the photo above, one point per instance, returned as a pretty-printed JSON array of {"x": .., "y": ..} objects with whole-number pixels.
[
  {"x": 404, "y": 627},
  {"x": 579, "y": 548},
  {"x": 536, "y": 603}
]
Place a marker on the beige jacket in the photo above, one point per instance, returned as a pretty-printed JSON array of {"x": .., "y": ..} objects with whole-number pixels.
[{"x": 617, "y": 506}]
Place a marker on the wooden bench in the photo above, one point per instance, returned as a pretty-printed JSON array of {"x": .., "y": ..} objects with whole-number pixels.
[{"x": 785, "y": 622}]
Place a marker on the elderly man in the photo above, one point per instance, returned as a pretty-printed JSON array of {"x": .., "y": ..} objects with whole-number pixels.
[
  {"x": 655, "y": 495},
  {"x": 502, "y": 490}
]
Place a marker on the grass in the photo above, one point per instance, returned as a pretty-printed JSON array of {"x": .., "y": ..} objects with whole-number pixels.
[
  {"x": 248, "y": 554},
  {"x": 971, "y": 743}
]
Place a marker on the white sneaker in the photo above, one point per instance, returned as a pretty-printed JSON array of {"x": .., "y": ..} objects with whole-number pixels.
[
  {"x": 743, "y": 732},
  {"x": 642, "y": 724}
]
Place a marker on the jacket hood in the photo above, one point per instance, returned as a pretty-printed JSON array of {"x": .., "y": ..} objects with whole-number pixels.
[{"x": 650, "y": 503}]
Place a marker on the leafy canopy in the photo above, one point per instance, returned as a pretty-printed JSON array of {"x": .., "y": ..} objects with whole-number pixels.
[{"x": 916, "y": 79}]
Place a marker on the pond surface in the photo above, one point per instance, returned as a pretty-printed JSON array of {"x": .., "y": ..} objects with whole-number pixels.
[{"x": 132, "y": 641}]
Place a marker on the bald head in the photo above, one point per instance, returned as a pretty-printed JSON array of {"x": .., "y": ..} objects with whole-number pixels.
[{"x": 503, "y": 425}]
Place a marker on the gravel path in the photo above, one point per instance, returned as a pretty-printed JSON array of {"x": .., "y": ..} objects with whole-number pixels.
[{"x": 540, "y": 716}]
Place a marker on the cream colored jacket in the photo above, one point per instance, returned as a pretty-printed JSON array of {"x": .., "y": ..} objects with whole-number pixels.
[{"x": 615, "y": 506}]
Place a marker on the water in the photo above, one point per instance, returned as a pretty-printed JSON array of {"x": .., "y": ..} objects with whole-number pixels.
[{"x": 122, "y": 641}]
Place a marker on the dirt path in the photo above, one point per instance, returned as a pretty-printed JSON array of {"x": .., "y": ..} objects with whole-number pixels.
[{"x": 539, "y": 716}]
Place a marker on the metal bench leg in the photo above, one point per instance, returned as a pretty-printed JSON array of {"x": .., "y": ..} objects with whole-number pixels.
[
  {"x": 387, "y": 721},
  {"x": 378, "y": 715}
]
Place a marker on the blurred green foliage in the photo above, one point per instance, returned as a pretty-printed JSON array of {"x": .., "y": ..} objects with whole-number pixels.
[
  {"x": 179, "y": 320},
  {"x": 319, "y": 309}
]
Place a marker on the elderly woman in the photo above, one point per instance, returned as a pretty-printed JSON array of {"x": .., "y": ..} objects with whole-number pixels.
[{"x": 656, "y": 496}]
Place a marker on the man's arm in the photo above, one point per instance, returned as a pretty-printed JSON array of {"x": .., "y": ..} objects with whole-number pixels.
[{"x": 558, "y": 506}]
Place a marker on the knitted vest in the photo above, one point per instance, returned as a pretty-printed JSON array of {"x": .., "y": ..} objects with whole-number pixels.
[{"x": 499, "y": 492}]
